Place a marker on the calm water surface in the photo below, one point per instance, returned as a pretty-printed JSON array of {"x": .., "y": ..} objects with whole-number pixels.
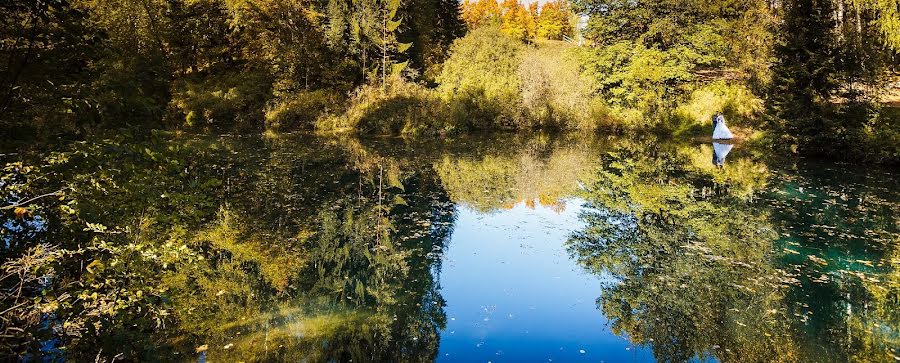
[{"x": 503, "y": 248}]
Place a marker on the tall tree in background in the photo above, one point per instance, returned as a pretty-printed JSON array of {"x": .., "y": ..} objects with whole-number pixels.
[
  {"x": 76, "y": 64},
  {"x": 515, "y": 20},
  {"x": 805, "y": 75},
  {"x": 707, "y": 33},
  {"x": 431, "y": 26},
  {"x": 551, "y": 21},
  {"x": 46, "y": 48},
  {"x": 478, "y": 13},
  {"x": 886, "y": 19},
  {"x": 555, "y": 21},
  {"x": 391, "y": 48},
  {"x": 834, "y": 59}
]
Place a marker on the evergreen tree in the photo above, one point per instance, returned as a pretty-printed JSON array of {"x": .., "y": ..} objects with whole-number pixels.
[
  {"x": 432, "y": 26},
  {"x": 805, "y": 75}
]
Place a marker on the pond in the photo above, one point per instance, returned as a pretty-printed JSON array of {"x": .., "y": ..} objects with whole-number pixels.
[{"x": 492, "y": 248}]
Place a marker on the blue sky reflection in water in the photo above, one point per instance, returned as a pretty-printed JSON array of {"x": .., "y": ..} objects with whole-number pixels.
[{"x": 513, "y": 294}]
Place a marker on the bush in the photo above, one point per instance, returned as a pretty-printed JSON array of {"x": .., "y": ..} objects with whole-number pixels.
[
  {"x": 481, "y": 79},
  {"x": 736, "y": 101},
  {"x": 555, "y": 93},
  {"x": 494, "y": 81},
  {"x": 400, "y": 107},
  {"x": 232, "y": 101},
  {"x": 879, "y": 138},
  {"x": 629, "y": 75},
  {"x": 301, "y": 110}
]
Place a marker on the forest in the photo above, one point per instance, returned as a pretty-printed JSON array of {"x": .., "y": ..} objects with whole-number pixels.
[{"x": 805, "y": 76}]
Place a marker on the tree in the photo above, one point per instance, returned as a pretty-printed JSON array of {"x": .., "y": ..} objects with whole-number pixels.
[
  {"x": 805, "y": 75},
  {"x": 555, "y": 21},
  {"x": 46, "y": 48},
  {"x": 512, "y": 16},
  {"x": 390, "y": 46},
  {"x": 516, "y": 20},
  {"x": 478, "y": 13},
  {"x": 431, "y": 27}
]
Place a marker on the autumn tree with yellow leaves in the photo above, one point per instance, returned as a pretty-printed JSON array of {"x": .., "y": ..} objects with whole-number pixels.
[{"x": 553, "y": 20}]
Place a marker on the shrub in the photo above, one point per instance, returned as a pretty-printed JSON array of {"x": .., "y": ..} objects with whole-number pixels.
[
  {"x": 555, "y": 92},
  {"x": 232, "y": 101},
  {"x": 492, "y": 80},
  {"x": 879, "y": 138},
  {"x": 400, "y": 107},
  {"x": 481, "y": 79},
  {"x": 630, "y": 75},
  {"x": 301, "y": 110},
  {"x": 736, "y": 101}
]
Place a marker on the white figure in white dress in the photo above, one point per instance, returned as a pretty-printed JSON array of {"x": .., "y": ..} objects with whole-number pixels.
[{"x": 720, "y": 130}]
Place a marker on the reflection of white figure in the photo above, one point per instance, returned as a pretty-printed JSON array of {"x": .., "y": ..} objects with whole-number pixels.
[
  {"x": 720, "y": 130},
  {"x": 720, "y": 152}
]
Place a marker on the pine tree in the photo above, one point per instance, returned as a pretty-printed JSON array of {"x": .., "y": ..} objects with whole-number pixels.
[
  {"x": 805, "y": 75},
  {"x": 391, "y": 48},
  {"x": 432, "y": 26}
]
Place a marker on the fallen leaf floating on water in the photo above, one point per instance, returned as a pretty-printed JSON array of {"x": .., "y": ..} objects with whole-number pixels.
[
  {"x": 20, "y": 212},
  {"x": 817, "y": 260}
]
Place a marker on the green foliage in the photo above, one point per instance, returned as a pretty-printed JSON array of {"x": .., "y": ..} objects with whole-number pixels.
[
  {"x": 301, "y": 110},
  {"x": 545, "y": 171},
  {"x": 687, "y": 255},
  {"x": 399, "y": 107},
  {"x": 556, "y": 93},
  {"x": 648, "y": 58},
  {"x": 481, "y": 80},
  {"x": 191, "y": 248},
  {"x": 635, "y": 81},
  {"x": 878, "y": 139},
  {"x": 231, "y": 101},
  {"x": 82, "y": 65},
  {"x": 714, "y": 32},
  {"x": 735, "y": 101},
  {"x": 47, "y": 46},
  {"x": 493, "y": 81},
  {"x": 432, "y": 27},
  {"x": 832, "y": 64}
]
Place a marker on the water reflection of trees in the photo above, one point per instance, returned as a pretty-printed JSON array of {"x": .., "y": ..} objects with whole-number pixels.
[
  {"x": 543, "y": 169},
  {"x": 697, "y": 269},
  {"x": 366, "y": 233},
  {"x": 330, "y": 248},
  {"x": 240, "y": 248},
  {"x": 687, "y": 256},
  {"x": 235, "y": 249}
]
